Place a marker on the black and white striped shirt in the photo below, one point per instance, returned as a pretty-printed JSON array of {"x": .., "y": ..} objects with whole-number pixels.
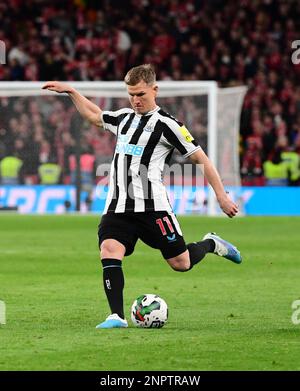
[{"x": 144, "y": 142}]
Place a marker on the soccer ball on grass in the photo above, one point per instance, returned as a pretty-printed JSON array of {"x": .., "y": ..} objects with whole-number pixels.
[{"x": 149, "y": 311}]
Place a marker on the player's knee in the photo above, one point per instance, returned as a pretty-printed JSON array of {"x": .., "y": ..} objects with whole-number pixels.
[
  {"x": 111, "y": 248},
  {"x": 181, "y": 263},
  {"x": 180, "y": 266}
]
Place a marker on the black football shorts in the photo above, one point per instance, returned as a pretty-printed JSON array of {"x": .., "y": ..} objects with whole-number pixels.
[{"x": 159, "y": 230}]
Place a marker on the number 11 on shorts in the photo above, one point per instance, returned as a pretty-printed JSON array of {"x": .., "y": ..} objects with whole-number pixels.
[{"x": 161, "y": 224}]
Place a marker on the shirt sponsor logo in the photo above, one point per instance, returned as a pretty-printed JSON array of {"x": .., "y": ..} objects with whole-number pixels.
[{"x": 129, "y": 149}]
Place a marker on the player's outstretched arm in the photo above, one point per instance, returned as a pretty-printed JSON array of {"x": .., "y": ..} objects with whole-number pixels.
[
  {"x": 211, "y": 174},
  {"x": 87, "y": 109}
]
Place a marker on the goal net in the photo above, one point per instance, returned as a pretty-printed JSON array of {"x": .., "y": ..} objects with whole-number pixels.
[{"x": 37, "y": 121}]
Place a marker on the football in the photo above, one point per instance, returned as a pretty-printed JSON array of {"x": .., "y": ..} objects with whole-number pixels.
[{"x": 149, "y": 311}]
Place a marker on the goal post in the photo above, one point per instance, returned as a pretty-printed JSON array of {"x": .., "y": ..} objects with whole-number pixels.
[
  {"x": 201, "y": 104},
  {"x": 224, "y": 138}
]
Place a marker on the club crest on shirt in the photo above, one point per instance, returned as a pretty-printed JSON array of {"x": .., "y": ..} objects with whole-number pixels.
[
  {"x": 186, "y": 134},
  {"x": 149, "y": 127}
]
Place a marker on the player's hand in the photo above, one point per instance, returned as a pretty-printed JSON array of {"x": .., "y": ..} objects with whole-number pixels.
[
  {"x": 57, "y": 86},
  {"x": 228, "y": 206}
]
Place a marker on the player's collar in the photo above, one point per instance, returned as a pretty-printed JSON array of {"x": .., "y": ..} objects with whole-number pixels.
[{"x": 149, "y": 112}]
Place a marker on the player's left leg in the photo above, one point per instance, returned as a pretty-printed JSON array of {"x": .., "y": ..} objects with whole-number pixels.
[
  {"x": 162, "y": 230},
  {"x": 184, "y": 257},
  {"x": 194, "y": 253}
]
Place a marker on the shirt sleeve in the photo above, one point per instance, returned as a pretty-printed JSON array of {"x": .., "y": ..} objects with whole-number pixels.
[
  {"x": 112, "y": 119},
  {"x": 178, "y": 136}
]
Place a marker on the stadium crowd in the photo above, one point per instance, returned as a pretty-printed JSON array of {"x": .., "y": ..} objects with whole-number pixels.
[{"x": 236, "y": 43}]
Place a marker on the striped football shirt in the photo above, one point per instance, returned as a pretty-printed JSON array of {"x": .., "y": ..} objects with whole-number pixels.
[{"x": 144, "y": 142}]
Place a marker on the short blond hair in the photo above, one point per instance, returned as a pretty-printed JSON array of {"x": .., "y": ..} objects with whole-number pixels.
[{"x": 143, "y": 72}]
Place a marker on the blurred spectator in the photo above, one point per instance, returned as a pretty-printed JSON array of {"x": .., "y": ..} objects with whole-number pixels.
[
  {"x": 49, "y": 172},
  {"x": 87, "y": 172},
  {"x": 292, "y": 160},
  {"x": 11, "y": 170},
  {"x": 251, "y": 169},
  {"x": 276, "y": 170}
]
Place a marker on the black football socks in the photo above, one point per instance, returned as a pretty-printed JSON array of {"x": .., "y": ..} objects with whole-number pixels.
[
  {"x": 198, "y": 250},
  {"x": 113, "y": 281}
]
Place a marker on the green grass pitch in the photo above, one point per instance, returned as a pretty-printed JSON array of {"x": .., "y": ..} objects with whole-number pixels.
[{"x": 222, "y": 316}]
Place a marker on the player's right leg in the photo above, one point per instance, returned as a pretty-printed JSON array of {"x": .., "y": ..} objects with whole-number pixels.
[{"x": 116, "y": 239}]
